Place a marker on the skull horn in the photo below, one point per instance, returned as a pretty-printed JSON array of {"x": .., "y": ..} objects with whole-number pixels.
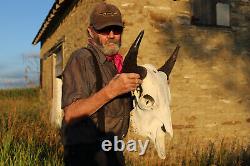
[
  {"x": 130, "y": 61},
  {"x": 169, "y": 64}
]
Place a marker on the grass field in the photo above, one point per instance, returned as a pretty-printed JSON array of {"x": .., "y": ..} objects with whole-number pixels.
[{"x": 26, "y": 138}]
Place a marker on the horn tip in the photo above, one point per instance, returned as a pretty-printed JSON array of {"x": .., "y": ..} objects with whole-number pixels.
[{"x": 142, "y": 32}]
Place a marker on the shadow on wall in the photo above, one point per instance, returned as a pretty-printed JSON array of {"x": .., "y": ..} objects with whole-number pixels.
[{"x": 216, "y": 50}]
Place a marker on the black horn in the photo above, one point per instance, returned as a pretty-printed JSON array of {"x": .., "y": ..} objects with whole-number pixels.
[
  {"x": 169, "y": 64},
  {"x": 130, "y": 61}
]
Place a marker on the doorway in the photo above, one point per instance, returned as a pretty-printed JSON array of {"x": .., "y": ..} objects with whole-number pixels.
[{"x": 56, "y": 113}]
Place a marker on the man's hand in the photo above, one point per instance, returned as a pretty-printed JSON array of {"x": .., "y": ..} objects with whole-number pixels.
[{"x": 123, "y": 83}]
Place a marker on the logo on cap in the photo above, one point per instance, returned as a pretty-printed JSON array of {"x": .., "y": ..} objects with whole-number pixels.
[{"x": 108, "y": 14}]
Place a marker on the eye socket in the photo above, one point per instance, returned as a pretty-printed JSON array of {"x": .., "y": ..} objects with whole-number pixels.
[
  {"x": 163, "y": 128},
  {"x": 148, "y": 100}
]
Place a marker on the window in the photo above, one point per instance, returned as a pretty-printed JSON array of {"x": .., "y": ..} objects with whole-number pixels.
[
  {"x": 222, "y": 14},
  {"x": 211, "y": 12}
]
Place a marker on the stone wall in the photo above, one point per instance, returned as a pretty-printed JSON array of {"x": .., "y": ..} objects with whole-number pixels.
[{"x": 240, "y": 23}]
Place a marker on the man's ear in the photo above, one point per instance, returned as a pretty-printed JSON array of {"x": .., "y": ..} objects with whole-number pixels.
[{"x": 90, "y": 31}]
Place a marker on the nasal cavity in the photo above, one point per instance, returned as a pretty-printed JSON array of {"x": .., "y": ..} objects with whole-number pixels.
[{"x": 163, "y": 128}]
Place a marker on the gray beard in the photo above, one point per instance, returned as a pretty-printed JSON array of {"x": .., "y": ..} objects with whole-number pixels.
[
  {"x": 110, "y": 51},
  {"x": 105, "y": 49}
]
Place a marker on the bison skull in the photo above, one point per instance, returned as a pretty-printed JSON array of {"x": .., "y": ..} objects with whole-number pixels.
[{"x": 151, "y": 115}]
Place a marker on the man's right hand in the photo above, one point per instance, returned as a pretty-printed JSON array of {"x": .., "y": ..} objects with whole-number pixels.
[
  {"x": 120, "y": 84},
  {"x": 123, "y": 83}
]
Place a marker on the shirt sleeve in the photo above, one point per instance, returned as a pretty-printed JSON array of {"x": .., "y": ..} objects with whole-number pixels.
[{"x": 74, "y": 78}]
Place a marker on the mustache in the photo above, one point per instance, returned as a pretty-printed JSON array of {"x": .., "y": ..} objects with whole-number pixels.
[{"x": 113, "y": 41}]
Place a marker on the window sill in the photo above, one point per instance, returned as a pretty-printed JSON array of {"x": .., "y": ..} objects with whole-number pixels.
[{"x": 214, "y": 27}]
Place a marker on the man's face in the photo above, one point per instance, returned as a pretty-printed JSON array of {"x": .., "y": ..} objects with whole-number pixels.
[{"x": 109, "y": 39}]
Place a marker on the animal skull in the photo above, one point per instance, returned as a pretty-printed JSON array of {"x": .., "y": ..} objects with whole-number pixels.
[{"x": 151, "y": 115}]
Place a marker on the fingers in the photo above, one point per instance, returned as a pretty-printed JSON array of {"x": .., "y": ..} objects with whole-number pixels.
[
  {"x": 132, "y": 75},
  {"x": 125, "y": 82},
  {"x": 132, "y": 87},
  {"x": 128, "y": 78},
  {"x": 134, "y": 81},
  {"x": 132, "y": 78}
]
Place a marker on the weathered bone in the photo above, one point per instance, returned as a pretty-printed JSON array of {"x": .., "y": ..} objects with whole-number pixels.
[
  {"x": 151, "y": 116},
  {"x": 130, "y": 61},
  {"x": 169, "y": 64}
]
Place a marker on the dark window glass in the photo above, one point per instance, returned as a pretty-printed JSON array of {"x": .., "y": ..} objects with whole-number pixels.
[{"x": 211, "y": 12}]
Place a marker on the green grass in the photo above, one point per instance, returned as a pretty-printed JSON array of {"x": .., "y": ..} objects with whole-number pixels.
[{"x": 23, "y": 152}]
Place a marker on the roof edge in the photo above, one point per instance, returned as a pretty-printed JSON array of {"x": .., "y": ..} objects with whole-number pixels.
[{"x": 56, "y": 6}]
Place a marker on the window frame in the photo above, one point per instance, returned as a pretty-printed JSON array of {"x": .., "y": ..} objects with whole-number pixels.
[{"x": 204, "y": 13}]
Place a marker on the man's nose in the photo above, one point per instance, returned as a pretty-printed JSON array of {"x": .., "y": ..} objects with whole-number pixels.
[{"x": 111, "y": 34}]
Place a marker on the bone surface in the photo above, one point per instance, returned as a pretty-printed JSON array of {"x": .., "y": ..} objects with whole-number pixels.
[{"x": 151, "y": 115}]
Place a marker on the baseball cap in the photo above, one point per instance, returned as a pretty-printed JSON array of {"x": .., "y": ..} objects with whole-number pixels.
[{"x": 104, "y": 15}]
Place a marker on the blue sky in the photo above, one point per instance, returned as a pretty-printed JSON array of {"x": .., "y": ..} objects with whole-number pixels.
[{"x": 20, "y": 22}]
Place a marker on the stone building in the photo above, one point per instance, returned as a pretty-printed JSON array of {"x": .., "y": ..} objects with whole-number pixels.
[{"x": 213, "y": 34}]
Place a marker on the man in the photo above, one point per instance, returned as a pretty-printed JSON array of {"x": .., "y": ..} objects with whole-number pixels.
[{"x": 96, "y": 97}]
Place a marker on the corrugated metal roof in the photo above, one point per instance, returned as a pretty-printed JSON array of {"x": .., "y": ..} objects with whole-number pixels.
[{"x": 51, "y": 15}]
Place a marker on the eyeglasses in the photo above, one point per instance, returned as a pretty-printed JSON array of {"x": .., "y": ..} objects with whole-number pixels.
[{"x": 117, "y": 30}]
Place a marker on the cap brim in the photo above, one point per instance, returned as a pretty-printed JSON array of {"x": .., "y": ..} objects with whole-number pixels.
[{"x": 99, "y": 27}]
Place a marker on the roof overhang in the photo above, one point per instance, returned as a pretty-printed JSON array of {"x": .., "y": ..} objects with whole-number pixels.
[{"x": 50, "y": 17}]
